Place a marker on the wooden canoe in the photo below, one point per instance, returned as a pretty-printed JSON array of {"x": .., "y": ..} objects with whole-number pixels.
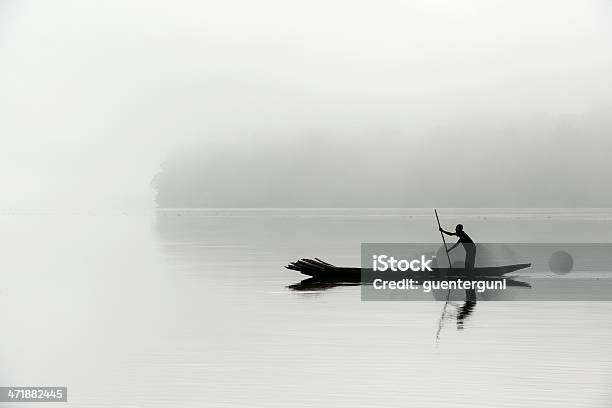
[{"x": 317, "y": 268}]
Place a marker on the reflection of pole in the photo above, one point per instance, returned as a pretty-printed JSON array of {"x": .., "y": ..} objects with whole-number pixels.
[{"x": 447, "y": 293}]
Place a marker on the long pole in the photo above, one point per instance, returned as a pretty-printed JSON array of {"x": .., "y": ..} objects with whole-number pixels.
[
  {"x": 443, "y": 240},
  {"x": 448, "y": 293}
]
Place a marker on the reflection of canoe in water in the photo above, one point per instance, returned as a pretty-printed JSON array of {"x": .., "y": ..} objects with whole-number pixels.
[
  {"x": 321, "y": 284},
  {"x": 323, "y": 270}
]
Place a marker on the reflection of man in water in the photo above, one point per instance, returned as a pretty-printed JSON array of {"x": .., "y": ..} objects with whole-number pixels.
[
  {"x": 465, "y": 311},
  {"x": 468, "y": 245}
]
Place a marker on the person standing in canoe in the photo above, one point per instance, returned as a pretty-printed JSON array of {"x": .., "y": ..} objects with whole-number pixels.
[{"x": 468, "y": 245}]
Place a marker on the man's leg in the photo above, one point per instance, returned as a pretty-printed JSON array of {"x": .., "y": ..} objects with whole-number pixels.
[{"x": 470, "y": 260}]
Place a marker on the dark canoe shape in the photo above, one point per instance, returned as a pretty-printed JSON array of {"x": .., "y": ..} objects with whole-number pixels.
[{"x": 323, "y": 270}]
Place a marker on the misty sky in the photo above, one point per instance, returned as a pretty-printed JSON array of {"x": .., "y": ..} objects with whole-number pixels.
[{"x": 94, "y": 94}]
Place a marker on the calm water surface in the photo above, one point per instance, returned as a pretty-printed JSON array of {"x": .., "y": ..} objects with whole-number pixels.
[{"x": 190, "y": 308}]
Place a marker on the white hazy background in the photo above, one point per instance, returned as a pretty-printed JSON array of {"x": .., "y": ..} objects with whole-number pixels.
[{"x": 94, "y": 94}]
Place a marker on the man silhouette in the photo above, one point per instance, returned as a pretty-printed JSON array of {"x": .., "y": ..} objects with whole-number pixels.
[{"x": 468, "y": 245}]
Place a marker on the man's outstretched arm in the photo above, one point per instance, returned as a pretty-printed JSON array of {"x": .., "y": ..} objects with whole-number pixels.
[
  {"x": 446, "y": 232},
  {"x": 453, "y": 247}
]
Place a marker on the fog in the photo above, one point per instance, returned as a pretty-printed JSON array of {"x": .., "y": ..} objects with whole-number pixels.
[{"x": 97, "y": 95}]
